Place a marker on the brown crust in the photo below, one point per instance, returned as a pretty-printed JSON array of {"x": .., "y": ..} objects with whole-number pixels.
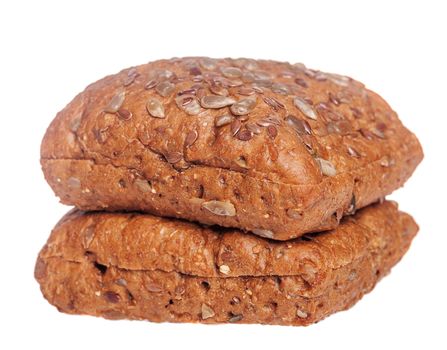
[
  {"x": 173, "y": 268},
  {"x": 97, "y": 160}
]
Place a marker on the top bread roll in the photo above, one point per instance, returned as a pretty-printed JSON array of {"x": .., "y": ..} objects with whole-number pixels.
[{"x": 269, "y": 147}]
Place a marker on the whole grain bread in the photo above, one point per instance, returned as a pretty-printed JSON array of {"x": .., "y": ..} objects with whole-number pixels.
[
  {"x": 263, "y": 146},
  {"x": 137, "y": 266}
]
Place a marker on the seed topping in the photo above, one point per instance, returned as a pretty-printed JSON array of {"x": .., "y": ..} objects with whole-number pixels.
[
  {"x": 155, "y": 108},
  {"x": 305, "y": 108},
  {"x": 116, "y": 102},
  {"x": 327, "y": 168},
  {"x": 221, "y": 208},
  {"x": 216, "y": 102},
  {"x": 243, "y": 106}
]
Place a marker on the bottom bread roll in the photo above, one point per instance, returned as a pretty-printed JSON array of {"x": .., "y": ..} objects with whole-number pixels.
[{"x": 136, "y": 266}]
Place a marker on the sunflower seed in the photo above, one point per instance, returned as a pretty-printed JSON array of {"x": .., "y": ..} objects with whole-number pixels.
[
  {"x": 130, "y": 79},
  {"x": 262, "y": 76},
  {"x": 268, "y": 120},
  {"x": 221, "y": 208},
  {"x": 257, "y": 89},
  {"x": 246, "y": 91},
  {"x": 187, "y": 92},
  {"x": 176, "y": 79},
  {"x": 243, "y": 62},
  {"x": 286, "y": 74},
  {"x": 191, "y": 137},
  {"x": 244, "y": 135},
  {"x": 132, "y": 71},
  {"x": 302, "y": 127},
  {"x": 231, "y": 72},
  {"x": 248, "y": 77},
  {"x": 301, "y": 82},
  {"x": 310, "y": 72},
  {"x": 211, "y": 77},
  {"x": 74, "y": 182},
  {"x": 225, "y": 269},
  {"x": 263, "y": 233},
  {"x": 352, "y": 152},
  {"x": 153, "y": 287},
  {"x": 352, "y": 206},
  {"x": 334, "y": 99},
  {"x": 340, "y": 80},
  {"x": 242, "y": 162},
  {"x": 165, "y": 88},
  {"x": 235, "y": 318},
  {"x": 197, "y": 78},
  {"x": 218, "y": 90},
  {"x": 320, "y": 76},
  {"x": 219, "y": 80},
  {"x": 124, "y": 114},
  {"x": 121, "y": 282},
  {"x": 188, "y": 103},
  {"x": 235, "y": 127},
  {"x": 208, "y": 63},
  {"x": 243, "y": 106},
  {"x": 88, "y": 236},
  {"x": 299, "y": 66},
  {"x": 116, "y": 102},
  {"x": 207, "y": 312},
  {"x": 222, "y": 120},
  {"x": 164, "y": 74},
  {"x": 322, "y": 106},
  {"x": 197, "y": 86},
  {"x": 216, "y": 102},
  {"x": 385, "y": 162},
  {"x": 301, "y": 314},
  {"x": 155, "y": 108},
  {"x": 263, "y": 122},
  {"x": 294, "y": 213},
  {"x": 201, "y": 92},
  {"x": 235, "y": 300},
  {"x": 255, "y": 129},
  {"x": 262, "y": 84},
  {"x": 143, "y": 185},
  {"x": 173, "y": 157},
  {"x": 250, "y": 64},
  {"x": 305, "y": 108},
  {"x": 327, "y": 168},
  {"x": 280, "y": 88},
  {"x": 234, "y": 83}
]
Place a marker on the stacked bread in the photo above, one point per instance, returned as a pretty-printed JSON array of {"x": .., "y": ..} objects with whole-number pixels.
[{"x": 224, "y": 190}]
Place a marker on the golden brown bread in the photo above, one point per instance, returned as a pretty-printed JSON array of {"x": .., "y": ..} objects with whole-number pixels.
[
  {"x": 138, "y": 266},
  {"x": 263, "y": 146}
]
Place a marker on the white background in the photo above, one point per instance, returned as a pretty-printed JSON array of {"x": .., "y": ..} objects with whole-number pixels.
[{"x": 51, "y": 51}]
